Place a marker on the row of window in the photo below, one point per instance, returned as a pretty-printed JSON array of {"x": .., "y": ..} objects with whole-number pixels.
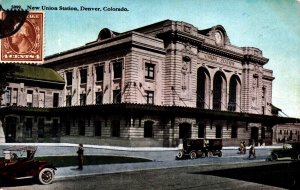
[
  {"x": 286, "y": 132},
  {"x": 117, "y": 97},
  {"x": 41, "y": 128},
  {"x": 117, "y": 73},
  {"x": 115, "y": 128},
  {"x": 185, "y": 131},
  {"x": 11, "y": 98}
]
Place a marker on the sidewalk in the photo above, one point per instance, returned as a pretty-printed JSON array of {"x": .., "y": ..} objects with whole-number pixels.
[{"x": 88, "y": 170}]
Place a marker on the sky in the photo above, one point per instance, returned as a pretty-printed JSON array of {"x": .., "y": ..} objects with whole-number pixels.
[{"x": 273, "y": 26}]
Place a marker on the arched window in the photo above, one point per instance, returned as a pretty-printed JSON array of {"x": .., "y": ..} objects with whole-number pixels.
[
  {"x": 217, "y": 91},
  {"x": 202, "y": 87},
  {"x": 232, "y": 95},
  {"x": 148, "y": 129}
]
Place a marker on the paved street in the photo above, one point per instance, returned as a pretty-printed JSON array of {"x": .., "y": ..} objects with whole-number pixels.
[
  {"x": 163, "y": 159},
  {"x": 254, "y": 175}
]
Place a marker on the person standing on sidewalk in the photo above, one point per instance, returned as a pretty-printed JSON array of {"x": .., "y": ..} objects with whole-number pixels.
[
  {"x": 80, "y": 157},
  {"x": 252, "y": 151}
]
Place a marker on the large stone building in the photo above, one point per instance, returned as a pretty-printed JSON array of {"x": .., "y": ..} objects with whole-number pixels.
[{"x": 155, "y": 85}]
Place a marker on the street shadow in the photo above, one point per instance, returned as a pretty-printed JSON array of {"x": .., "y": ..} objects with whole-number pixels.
[
  {"x": 16, "y": 183},
  {"x": 284, "y": 175}
]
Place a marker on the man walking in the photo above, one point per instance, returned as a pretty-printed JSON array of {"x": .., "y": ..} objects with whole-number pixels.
[
  {"x": 252, "y": 151},
  {"x": 80, "y": 157}
]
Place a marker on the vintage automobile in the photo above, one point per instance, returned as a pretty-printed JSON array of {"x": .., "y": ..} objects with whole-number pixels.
[
  {"x": 291, "y": 150},
  {"x": 194, "y": 148},
  {"x": 19, "y": 163}
]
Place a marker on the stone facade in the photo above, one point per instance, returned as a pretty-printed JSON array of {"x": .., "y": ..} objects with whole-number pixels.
[{"x": 186, "y": 83}]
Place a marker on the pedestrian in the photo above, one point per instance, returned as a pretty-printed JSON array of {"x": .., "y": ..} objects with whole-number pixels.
[
  {"x": 241, "y": 149},
  {"x": 80, "y": 157},
  {"x": 252, "y": 151},
  {"x": 244, "y": 145}
]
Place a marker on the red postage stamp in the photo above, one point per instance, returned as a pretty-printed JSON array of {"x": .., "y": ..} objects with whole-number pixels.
[{"x": 26, "y": 45}]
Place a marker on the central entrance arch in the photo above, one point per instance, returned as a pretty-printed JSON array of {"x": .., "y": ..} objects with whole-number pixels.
[{"x": 219, "y": 90}]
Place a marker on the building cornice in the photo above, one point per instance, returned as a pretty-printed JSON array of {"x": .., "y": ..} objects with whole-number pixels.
[
  {"x": 221, "y": 51},
  {"x": 176, "y": 35},
  {"x": 168, "y": 111},
  {"x": 255, "y": 59},
  {"x": 270, "y": 78}
]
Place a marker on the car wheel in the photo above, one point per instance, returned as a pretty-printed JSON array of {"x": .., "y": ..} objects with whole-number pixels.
[
  {"x": 193, "y": 155},
  {"x": 201, "y": 154},
  {"x": 46, "y": 176},
  {"x": 274, "y": 157},
  {"x": 220, "y": 154},
  {"x": 180, "y": 154},
  {"x": 298, "y": 157}
]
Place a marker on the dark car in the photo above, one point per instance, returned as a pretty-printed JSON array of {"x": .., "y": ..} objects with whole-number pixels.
[
  {"x": 19, "y": 163},
  {"x": 194, "y": 148},
  {"x": 291, "y": 150}
]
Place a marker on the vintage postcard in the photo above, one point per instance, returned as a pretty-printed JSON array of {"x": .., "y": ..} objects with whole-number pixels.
[{"x": 133, "y": 94}]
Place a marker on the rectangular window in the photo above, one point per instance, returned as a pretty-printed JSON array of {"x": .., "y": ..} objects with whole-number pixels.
[
  {"x": 149, "y": 71},
  {"x": 117, "y": 96},
  {"x": 83, "y": 76},
  {"x": 28, "y": 129},
  {"x": 29, "y": 98},
  {"x": 149, "y": 97},
  {"x": 117, "y": 67},
  {"x": 81, "y": 128},
  {"x": 55, "y": 127},
  {"x": 69, "y": 77},
  {"x": 98, "y": 128},
  {"x": 41, "y": 99},
  {"x": 263, "y": 93},
  {"x": 99, "y": 97},
  {"x": 41, "y": 126},
  {"x": 148, "y": 129},
  {"x": 115, "y": 130},
  {"x": 233, "y": 132},
  {"x": 201, "y": 130},
  {"x": 68, "y": 100},
  {"x": 82, "y": 99},
  {"x": 68, "y": 128},
  {"x": 15, "y": 97},
  {"x": 55, "y": 99},
  {"x": 219, "y": 131},
  {"x": 99, "y": 72},
  {"x": 8, "y": 96}
]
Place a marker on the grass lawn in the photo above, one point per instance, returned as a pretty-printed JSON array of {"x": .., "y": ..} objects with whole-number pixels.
[{"x": 64, "y": 161}]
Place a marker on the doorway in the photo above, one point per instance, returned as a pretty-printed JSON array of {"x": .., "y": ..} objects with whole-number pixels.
[
  {"x": 184, "y": 130},
  {"x": 10, "y": 129}
]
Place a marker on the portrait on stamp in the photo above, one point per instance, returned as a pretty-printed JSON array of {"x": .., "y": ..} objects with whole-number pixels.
[
  {"x": 26, "y": 45},
  {"x": 22, "y": 42}
]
